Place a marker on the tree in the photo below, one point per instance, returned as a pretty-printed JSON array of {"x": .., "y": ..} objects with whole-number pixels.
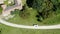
[
  {"x": 29, "y": 2},
  {"x": 45, "y": 8},
  {"x": 37, "y": 4}
]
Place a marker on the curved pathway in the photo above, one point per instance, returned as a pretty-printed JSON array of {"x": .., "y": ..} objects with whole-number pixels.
[{"x": 30, "y": 27}]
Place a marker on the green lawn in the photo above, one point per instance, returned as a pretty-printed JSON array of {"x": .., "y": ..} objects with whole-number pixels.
[
  {"x": 33, "y": 20},
  {"x": 29, "y": 21},
  {"x": 10, "y": 30}
]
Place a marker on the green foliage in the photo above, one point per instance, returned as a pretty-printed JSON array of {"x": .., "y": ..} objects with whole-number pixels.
[
  {"x": 25, "y": 12},
  {"x": 55, "y": 1},
  {"x": 29, "y": 2},
  {"x": 37, "y": 4},
  {"x": 46, "y": 8},
  {"x": 1, "y": 10},
  {"x": 16, "y": 11}
]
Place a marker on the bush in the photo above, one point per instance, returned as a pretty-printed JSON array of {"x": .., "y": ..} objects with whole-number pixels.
[
  {"x": 25, "y": 12},
  {"x": 16, "y": 11}
]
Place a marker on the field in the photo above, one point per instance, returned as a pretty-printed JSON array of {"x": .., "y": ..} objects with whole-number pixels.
[
  {"x": 10, "y": 30},
  {"x": 33, "y": 20}
]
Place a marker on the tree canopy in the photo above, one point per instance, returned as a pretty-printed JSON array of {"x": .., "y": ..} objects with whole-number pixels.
[{"x": 45, "y": 8}]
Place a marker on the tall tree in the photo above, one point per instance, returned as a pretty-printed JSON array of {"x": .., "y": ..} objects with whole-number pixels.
[{"x": 45, "y": 7}]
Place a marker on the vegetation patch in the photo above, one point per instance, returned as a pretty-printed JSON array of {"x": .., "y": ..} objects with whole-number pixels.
[
  {"x": 45, "y": 8},
  {"x": 11, "y": 30},
  {"x": 41, "y": 12},
  {"x": 9, "y": 4}
]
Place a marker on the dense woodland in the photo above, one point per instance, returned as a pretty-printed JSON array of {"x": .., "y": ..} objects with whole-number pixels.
[{"x": 45, "y": 8}]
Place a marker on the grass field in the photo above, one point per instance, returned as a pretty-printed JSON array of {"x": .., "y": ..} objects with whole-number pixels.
[
  {"x": 33, "y": 20},
  {"x": 29, "y": 21},
  {"x": 10, "y": 30}
]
